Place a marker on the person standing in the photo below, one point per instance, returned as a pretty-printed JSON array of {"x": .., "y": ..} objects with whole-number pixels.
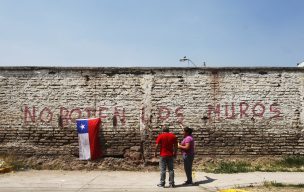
[
  {"x": 167, "y": 143},
  {"x": 187, "y": 147}
]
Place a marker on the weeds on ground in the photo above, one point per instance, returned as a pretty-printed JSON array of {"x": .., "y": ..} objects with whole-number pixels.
[
  {"x": 272, "y": 186},
  {"x": 276, "y": 184},
  {"x": 12, "y": 162},
  {"x": 287, "y": 164},
  {"x": 226, "y": 167},
  {"x": 232, "y": 190},
  {"x": 233, "y": 167},
  {"x": 293, "y": 161}
]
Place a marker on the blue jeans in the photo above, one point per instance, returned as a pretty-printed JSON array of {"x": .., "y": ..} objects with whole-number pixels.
[
  {"x": 165, "y": 162},
  {"x": 188, "y": 162}
]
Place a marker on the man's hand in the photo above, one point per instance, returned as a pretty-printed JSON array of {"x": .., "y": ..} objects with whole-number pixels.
[
  {"x": 174, "y": 155},
  {"x": 155, "y": 150}
]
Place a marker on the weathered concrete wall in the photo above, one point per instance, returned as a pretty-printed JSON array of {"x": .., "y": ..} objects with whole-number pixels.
[{"x": 247, "y": 111}]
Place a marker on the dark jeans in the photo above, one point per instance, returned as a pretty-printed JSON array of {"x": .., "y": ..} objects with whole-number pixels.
[
  {"x": 165, "y": 162},
  {"x": 188, "y": 161}
]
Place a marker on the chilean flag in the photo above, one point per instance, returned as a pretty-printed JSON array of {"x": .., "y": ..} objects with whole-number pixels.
[{"x": 89, "y": 146}]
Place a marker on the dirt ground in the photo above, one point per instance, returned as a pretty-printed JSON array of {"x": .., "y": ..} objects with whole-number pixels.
[
  {"x": 73, "y": 163},
  {"x": 107, "y": 163}
]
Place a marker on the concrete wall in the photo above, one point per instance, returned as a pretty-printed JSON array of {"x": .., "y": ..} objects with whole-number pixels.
[{"x": 234, "y": 111}]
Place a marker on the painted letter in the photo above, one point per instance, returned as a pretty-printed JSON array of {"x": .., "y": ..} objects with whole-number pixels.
[
  {"x": 254, "y": 109},
  {"x": 89, "y": 111},
  {"x": 275, "y": 110},
  {"x": 101, "y": 115},
  {"x": 64, "y": 117},
  {"x": 78, "y": 111},
  {"x": 122, "y": 118},
  {"x": 161, "y": 110},
  {"x": 242, "y": 110},
  {"x": 28, "y": 113},
  {"x": 232, "y": 111},
  {"x": 179, "y": 115},
  {"x": 49, "y": 115}
]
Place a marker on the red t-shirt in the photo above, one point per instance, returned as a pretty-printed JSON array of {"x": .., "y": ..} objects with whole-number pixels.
[{"x": 166, "y": 142}]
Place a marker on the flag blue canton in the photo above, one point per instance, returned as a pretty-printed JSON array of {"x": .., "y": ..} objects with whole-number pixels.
[{"x": 82, "y": 126}]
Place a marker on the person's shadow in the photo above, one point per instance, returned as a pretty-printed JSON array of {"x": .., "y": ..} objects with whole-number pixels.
[{"x": 197, "y": 183}]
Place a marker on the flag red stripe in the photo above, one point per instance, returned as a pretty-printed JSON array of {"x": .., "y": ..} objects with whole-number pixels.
[{"x": 95, "y": 148}]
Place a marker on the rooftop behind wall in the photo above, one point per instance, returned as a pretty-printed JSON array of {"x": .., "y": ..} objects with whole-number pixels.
[{"x": 234, "y": 111}]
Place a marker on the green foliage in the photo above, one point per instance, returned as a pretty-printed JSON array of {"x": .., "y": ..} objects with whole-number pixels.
[
  {"x": 233, "y": 167},
  {"x": 273, "y": 184},
  {"x": 293, "y": 161},
  {"x": 286, "y": 164},
  {"x": 228, "y": 167},
  {"x": 12, "y": 162},
  {"x": 276, "y": 184}
]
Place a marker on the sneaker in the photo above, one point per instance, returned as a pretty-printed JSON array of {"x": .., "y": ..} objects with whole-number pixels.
[
  {"x": 160, "y": 185},
  {"x": 171, "y": 186}
]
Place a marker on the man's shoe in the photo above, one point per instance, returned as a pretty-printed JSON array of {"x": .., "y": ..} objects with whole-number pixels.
[
  {"x": 188, "y": 183},
  {"x": 160, "y": 185},
  {"x": 171, "y": 186}
]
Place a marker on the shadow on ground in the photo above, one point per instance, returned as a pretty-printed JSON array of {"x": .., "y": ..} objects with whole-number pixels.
[{"x": 197, "y": 183}]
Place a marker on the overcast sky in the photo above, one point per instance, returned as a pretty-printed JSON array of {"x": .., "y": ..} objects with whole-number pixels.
[{"x": 151, "y": 33}]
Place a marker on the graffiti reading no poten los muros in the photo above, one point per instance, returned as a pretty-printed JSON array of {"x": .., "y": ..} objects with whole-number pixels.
[{"x": 218, "y": 111}]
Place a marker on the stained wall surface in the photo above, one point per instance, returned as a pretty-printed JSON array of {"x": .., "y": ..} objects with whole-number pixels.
[{"x": 234, "y": 111}]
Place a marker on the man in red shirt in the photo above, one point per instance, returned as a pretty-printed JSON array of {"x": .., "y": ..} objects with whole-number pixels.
[{"x": 167, "y": 142}]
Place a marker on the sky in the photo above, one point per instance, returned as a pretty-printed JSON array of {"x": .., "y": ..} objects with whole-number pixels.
[{"x": 151, "y": 33}]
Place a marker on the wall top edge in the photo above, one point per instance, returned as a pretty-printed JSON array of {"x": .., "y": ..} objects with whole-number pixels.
[{"x": 121, "y": 69}]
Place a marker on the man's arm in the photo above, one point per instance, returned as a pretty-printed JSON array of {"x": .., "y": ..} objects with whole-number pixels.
[{"x": 156, "y": 149}]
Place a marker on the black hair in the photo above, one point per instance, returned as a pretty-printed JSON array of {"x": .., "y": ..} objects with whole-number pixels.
[
  {"x": 166, "y": 129},
  {"x": 188, "y": 130}
]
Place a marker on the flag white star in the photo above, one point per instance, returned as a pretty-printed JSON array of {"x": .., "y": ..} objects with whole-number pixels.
[{"x": 82, "y": 126}]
